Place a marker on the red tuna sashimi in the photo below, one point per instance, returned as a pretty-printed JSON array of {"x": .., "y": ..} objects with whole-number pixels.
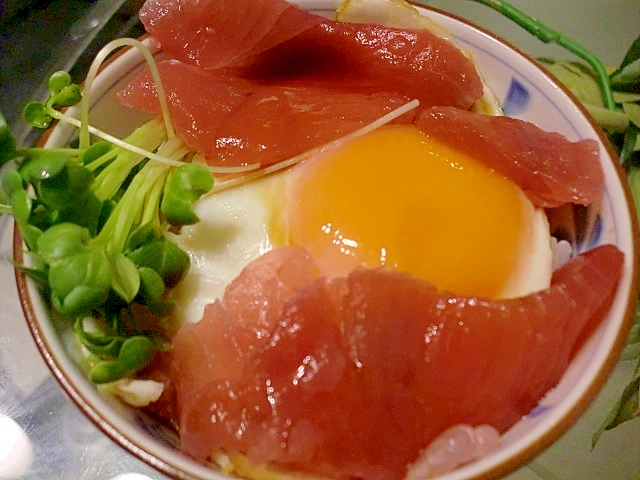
[
  {"x": 331, "y": 375},
  {"x": 199, "y": 102},
  {"x": 232, "y": 121},
  {"x": 277, "y": 123},
  {"x": 217, "y": 33},
  {"x": 550, "y": 169},
  {"x": 242, "y": 322},
  {"x": 414, "y": 63}
]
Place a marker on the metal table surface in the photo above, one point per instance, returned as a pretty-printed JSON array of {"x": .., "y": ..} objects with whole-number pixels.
[{"x": 42, "y": 433}]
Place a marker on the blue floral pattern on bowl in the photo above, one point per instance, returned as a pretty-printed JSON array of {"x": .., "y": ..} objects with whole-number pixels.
[{"x": 517, "y": 99}]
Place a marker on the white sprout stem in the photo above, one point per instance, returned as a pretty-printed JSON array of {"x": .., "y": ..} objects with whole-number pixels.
[
  {"x": 238, "y": 169},
  {"x": 116, "y": 141},
  {"x": 173, "y": 148},
  {"x": 93, "y": 72},
  {"x": 276, "y": 167},
  {"x": 141, "y": 151}
]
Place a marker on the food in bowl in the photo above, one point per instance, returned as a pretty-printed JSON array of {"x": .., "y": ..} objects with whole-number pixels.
[{"x": 264, "y": 375}]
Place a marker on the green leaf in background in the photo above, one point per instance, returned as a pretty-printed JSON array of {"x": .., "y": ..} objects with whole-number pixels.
[
  {"x": 626, "y": 97},
  {"x": 578, "y": 78},
  {"x": 626, "y": 82},
  {"x": 626, "y": 409},
  {"x": 632, "y": 110},
  {"x": 582, "y": 82},
  {"x": 627, "y": 76},
  {"x": 628, "y": 150},
  {"x": 622, "y": 125},
  {"x": 633, "y": 177}
]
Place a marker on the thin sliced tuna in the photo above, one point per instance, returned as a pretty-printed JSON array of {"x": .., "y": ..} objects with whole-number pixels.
[
  {"x": 333, "y": 373},
  {"x": 218, "y": 33},
  {"x": 233, "y": 121},
  {"x": 273, "y": 39},
  {"x": 550, "y": 169},
  {"x": 413, "y": 63},
  {"x": 199, "y": 102}
]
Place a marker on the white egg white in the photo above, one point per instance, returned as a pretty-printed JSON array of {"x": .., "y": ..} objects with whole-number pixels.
[
  {"x": 536, "y": 266},
  {"x": 236, "y": 226}
]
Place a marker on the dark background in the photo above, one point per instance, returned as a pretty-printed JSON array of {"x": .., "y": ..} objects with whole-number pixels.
[{"x": 40, "y": 37}]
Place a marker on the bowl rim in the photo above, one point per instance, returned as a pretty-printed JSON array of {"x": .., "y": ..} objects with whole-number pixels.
[{"x": 520, "y": 458}]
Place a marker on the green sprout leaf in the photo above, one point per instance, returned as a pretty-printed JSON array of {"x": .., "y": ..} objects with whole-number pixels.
[
  {"x": 152, "y": 290},
  {"x": 41, "y": 165},
  {"x": 80, "y": 282},
  {"x": 163, "y": 256},
  {"x": 12, "y": 181},
  {"x": 96, "y": 151},
  {"x": 126, "y": 279},
  {"x": 58, "y": 81},
  {"x": 153, "y": 286},
  {"x": 36, "y": 114},
  {"x": 67, "y": 97},
  {"x": 67, "y": 187},
  {"x": 135, "y": 354},
  {"x": 185, "y": 185},
  {"x": 62, "y": 241},
  {"x": 100, "y": 343},
  {"x": 86, "y": 212},
  {"x": 63, "y": 93},
  {"x": 21, "y": 204}
]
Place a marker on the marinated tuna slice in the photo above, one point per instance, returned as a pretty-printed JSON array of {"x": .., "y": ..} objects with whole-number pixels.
[
  {"x": 327, "y": 376},
  {"x": 277, "y": 123},
  {"x": 199, "y": 102},
  {"x": 413, "y": 63},
  {"x": 218, "y": 33},
  {"x": 271, "y": 39},
  {"x": 233, "y": 121},
  {"x": 550, "y": 169}
]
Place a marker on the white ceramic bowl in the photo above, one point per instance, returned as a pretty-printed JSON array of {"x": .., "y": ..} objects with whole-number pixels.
[{"x": 527, "y": 92}]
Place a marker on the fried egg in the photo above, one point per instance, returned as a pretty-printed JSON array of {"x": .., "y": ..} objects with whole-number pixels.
[{"x": 393, "y": 198}]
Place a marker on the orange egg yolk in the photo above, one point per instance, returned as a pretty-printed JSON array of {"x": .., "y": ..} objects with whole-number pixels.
[{"x": 399, "y": 199}]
